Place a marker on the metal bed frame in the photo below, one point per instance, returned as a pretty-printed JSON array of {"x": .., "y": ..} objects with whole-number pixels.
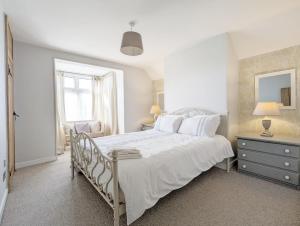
[{"x": 83, "y": 150}]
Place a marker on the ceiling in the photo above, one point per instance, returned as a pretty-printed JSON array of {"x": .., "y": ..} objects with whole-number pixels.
[{"x": 94, "y": 27}]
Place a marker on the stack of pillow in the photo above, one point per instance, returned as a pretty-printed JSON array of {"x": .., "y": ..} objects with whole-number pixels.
[{"x": 199, "y": 125}]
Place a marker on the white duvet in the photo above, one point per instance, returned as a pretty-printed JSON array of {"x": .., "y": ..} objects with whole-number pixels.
[{"x": 170, "y": 161}]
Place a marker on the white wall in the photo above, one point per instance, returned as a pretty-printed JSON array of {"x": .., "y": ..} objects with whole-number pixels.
[
  {"x": 196, "y": 77},
  {"x": 34, "y": 99},
  {"x": 206, "y": 76},
  {"x": 3, "y": 111}
]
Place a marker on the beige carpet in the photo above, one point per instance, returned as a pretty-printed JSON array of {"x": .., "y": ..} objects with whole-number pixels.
[{"x": 45, "y": 195}]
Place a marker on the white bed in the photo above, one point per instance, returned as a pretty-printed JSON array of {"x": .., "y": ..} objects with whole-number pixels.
[{"x": 169, "y": 161}]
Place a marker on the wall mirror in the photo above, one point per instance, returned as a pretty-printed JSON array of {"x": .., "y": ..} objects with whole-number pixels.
[{"x": 277, "y": 87}]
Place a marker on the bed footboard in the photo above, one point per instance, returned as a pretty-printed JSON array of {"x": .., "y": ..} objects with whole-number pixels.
[{"x": 87, "y": 157}]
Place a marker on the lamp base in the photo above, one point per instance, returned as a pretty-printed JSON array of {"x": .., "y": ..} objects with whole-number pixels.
[
  {"x": 266, "y": 133},
  {"x": 266, "y": 124}
]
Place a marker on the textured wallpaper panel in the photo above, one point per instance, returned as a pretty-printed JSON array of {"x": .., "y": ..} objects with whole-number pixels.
[{"x": 289, "y": 121}]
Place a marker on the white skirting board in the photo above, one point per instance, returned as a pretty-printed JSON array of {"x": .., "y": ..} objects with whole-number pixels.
[
  {"x": 35, "y": 162},
  {"x": 3, "y": 202}
]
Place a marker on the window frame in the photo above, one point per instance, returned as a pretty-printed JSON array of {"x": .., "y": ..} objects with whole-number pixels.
[{"x": 78, "y": 91}]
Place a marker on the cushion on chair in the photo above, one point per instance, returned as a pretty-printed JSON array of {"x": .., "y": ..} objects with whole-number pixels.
[
  {"x": 82, "y": 128},
  {"x": 68, "y": 127},
  {"x": 95, "y": 126}
]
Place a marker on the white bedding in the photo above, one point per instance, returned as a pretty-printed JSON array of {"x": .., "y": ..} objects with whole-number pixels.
[{"x": 170, "y": 161}]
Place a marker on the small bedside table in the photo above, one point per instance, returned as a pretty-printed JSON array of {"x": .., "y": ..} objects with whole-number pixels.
[
  {"x": 274, "y": 158},
  {"x": 147, "y": 126}
]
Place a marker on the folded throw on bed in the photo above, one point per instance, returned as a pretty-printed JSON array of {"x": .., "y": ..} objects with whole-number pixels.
[{"x": 126, "y": 153}]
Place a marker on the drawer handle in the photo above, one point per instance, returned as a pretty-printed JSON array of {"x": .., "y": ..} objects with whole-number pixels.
[
  {"x": 244, "y": 144},
  {"x": 244, "y": 155},
  {"x": 244, "y": 166},
  {"x": 287, "y": 164},
  {"x": 286, "y": 177},
  {"x": 287, "y": 151}
]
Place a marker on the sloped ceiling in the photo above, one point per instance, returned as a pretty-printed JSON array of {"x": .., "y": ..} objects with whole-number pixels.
[{"x": 94, "y": 27}]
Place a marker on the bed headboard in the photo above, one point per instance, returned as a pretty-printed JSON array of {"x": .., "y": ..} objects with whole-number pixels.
[
  {"x": 223, "y": 127},
  {"x": 190, "y": 112}
]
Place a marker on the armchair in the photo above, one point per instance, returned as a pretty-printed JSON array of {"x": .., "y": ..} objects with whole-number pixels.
[{"x": 91, "y": 128}]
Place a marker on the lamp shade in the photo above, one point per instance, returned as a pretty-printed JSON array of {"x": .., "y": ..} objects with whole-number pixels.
[
  {"x": 267, "y": 109},
  {"x": 132, "y": 44},
  {"x": 155, "y": 109}
]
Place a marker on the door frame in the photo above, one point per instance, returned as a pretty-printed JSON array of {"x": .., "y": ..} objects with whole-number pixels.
[{"x": 8, "y": 175}]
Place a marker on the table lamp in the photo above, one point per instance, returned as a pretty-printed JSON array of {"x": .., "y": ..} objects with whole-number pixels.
[
  {"x": 266, "y": 109},
  {"x": 155, "y": 110}
]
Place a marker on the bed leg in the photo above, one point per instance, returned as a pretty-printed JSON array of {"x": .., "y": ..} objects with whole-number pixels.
[
  {"x": 72, "y": 170},
  {"x": 228, "y": 165},
  {"x": 116, "y": 188},
  {"x": 116, "y": 221}
]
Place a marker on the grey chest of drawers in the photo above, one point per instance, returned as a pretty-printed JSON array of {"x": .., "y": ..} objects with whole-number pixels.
[{"x": 276, "y": 158}]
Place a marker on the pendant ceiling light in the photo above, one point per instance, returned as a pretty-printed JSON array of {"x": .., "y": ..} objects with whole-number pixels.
[{"x": 132, "y": 44}]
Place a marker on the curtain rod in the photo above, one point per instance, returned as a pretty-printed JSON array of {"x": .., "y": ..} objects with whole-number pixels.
[{"x": 81, "y": 73}]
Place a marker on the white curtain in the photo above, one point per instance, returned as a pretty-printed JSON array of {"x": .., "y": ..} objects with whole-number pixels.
[
  {"x": 60, "y": 133},
  {"x": 97, "y": 99},
  {"x": 105, "y": 102}
]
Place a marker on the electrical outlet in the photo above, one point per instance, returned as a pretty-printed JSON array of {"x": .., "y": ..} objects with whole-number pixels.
[{"x": 4, "y": 176}]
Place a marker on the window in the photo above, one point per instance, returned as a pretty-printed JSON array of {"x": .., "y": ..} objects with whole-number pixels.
[{"x": 77, "y": 97}]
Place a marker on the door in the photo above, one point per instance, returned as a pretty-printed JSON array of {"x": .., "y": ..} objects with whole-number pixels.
[{"x": 10, "y": 104}]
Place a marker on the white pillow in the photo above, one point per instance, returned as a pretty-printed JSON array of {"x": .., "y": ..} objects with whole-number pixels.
[
  {"x": 168, "y": 123},
  {"x": 208, "y": 125},
  {"x": 188, "y": 126},
  {"x": 201, "y": 125}
]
